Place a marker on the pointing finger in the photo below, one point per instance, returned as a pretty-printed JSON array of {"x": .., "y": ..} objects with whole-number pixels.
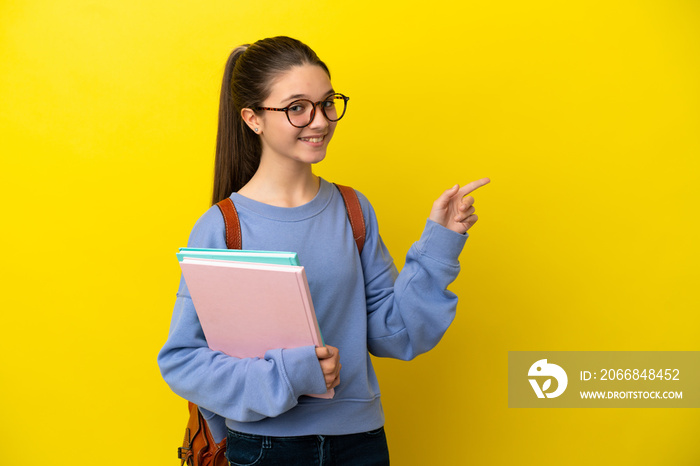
[{"x": 469, "y": 187}]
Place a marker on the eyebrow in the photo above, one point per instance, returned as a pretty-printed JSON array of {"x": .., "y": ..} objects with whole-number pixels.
[{"x": 304, "y": 96}]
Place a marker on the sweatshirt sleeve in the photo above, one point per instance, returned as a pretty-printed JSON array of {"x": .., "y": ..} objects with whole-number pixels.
[
  {"x": 409, "y": 312},
  {"x": 247, "y": 389}
]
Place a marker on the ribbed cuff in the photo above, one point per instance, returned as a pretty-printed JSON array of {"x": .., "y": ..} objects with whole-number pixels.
[
  {"x": 441, "y": 244},
  {"x": 303, "y": 371}
]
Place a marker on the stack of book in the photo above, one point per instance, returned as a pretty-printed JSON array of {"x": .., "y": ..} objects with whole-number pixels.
[{"x": 249, "y": 302}]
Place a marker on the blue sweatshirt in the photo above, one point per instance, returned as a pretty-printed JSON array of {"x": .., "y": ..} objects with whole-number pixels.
[{"x": 363, "y": 305}]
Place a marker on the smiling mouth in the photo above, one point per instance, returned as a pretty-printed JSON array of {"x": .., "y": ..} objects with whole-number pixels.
[{"x": 314, "y": 139}]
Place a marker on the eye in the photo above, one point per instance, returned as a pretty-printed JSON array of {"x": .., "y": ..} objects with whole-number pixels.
[
  {"x": 328, "y": 103},
  {"x": 297, "y": 107}
]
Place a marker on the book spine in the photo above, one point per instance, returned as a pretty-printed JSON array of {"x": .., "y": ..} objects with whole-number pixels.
[{"x": 314, "y": 328}]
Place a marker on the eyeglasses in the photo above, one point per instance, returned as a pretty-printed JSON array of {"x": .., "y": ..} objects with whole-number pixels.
[{"x": 301, "y": 113}]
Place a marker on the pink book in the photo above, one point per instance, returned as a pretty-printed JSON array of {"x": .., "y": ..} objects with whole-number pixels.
[{"x": 246, "y": 309}]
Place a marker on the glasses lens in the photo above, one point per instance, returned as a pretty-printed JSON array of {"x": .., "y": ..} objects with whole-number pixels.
[
  {"x": 299, "y": 112},
  {"x": 334, "y": 107}
]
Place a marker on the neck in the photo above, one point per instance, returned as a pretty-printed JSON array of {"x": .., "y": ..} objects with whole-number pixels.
[{"x": 282, "y": 185}]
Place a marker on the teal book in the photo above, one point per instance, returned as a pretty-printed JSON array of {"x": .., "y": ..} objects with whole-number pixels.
[{"x": 240, "y": 255}]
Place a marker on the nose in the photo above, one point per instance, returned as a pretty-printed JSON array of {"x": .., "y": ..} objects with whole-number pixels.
[{"x": 319, "y": 120}]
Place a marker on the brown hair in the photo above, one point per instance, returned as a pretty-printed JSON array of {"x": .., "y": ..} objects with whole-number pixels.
[{"x": 248, "y": 76}]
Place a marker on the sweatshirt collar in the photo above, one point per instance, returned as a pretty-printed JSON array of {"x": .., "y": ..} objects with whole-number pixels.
[{"x": 288, "y": 214}]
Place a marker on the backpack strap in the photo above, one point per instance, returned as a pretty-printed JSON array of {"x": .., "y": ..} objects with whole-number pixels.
[
  {"x": 352, "y": 205},
  {"x": 231, "y": 222},
  {"x": 357, "y": 220}
]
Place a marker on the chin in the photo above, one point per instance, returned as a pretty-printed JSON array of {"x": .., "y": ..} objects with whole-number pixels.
[
  {"x": 312, "y": 156},
  {"x": 316, "y": 158}
]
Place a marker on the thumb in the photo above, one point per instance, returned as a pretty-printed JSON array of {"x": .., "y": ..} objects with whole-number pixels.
[
  {"x": 445, "y": 197},
  {"x": 324, "y": 352}
]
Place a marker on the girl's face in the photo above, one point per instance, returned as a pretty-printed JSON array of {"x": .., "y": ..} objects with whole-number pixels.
[{"x": 279, "y": 138}]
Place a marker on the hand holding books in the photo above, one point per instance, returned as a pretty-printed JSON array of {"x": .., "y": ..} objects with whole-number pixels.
[
  {"x": 249, "y": 302},
  {"x": 330, "y": 365}
]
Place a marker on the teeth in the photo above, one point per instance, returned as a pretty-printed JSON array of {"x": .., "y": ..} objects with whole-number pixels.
[{"x": 313, "y": 139}]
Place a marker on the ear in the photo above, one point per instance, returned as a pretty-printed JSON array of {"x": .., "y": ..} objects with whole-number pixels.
[{"x": 252, "y": 120}]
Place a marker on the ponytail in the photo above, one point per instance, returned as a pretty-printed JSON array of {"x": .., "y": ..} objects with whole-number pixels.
[
  {"x": 237, "y": 150},
  {"x": 248, "y": 75}
]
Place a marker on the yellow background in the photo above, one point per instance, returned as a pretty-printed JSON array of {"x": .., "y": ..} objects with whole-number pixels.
[{"x": 585, "y": 114}]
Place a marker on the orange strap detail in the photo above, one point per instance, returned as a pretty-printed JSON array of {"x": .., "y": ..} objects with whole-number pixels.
[
  {"x": 357, "y": 220},
  {"x": 231, "y": 222}
]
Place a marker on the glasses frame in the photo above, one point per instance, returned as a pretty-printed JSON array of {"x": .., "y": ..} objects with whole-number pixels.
[{"x": 313, "y": 108}]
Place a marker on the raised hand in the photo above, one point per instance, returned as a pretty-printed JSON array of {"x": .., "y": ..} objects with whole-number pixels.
[{"x": 454, "y": 209}]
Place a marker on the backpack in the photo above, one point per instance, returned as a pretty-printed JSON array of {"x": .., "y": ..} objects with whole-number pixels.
[{"x": 199, "y": 447}]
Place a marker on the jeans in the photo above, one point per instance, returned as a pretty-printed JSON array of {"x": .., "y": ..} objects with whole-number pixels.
[{"x": 365, "y": 449}]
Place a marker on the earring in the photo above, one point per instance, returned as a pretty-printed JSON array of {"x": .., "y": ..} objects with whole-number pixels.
[{"x": 256, "y": 130}]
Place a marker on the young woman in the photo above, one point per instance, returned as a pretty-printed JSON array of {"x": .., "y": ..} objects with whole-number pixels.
[{"x": 278, "y": 113}]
